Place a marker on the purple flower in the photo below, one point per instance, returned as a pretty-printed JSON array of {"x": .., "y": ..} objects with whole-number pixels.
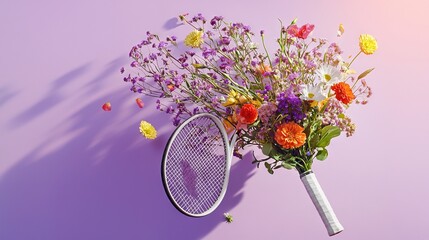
[
  {"x": 176, "y": 121},
  {"x": 162, "y": 44},
  {"x": 246, "y": 29},
  {"x": 157, "y": 77},
  {"x": 127, "y": 78},
  {"x": 207, "y": 52},
  {"x": 290, "y": 106},
  {"x": 310, "y": 64},
  {"x": 134, "y": 64},
  {"x": 216, "y": 20},
  {"x": 293, "y": 76},
  {"x": 224, "y": 40},
  {"x": 122, "y": 70},
  {"x": 199, "y": 17},
  {"x": 191, "y": 54},
  {"x": 152, "y": 56},
  {"x": 170, "y": 109},
  {"x": 226, "y": 63},
  {"x": 178, "y": 80},
  {"x": 196, "y": 110},
  {"x": 134, "y": 52}
]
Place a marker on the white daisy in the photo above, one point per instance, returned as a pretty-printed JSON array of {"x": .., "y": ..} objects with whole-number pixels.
[
  {"x": 313, "y": 93},
  {"x": 328, "y": 74}
]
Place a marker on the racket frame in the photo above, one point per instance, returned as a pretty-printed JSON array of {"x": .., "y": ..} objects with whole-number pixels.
[{"x": 229, "y": 147}]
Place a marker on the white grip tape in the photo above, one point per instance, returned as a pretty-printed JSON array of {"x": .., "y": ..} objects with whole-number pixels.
[{"x": 321, "y": 203}]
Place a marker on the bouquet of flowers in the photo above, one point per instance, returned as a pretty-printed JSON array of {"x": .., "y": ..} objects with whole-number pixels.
[{"x": 290, "y": 103}]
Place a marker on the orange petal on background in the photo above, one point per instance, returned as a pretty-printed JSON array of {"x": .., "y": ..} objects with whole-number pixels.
[{"x": 140, "y": 102}]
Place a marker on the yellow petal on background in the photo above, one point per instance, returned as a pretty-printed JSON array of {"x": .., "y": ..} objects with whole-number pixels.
[{"x": 340, "y": 30}]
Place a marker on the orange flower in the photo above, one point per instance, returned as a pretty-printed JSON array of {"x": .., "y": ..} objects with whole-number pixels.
[
  {"x": 248, "y": 114},
  {"x": 290, "y": 135},
  {"x": 262, "y": 69},
  {"x": 343, "y": 92}
]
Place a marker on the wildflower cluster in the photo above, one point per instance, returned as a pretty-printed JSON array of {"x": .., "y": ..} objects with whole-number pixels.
[{"x": 290, "y": 103}]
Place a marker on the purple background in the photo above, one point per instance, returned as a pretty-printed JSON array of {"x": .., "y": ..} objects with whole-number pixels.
[{"x": 68, "y": 170}]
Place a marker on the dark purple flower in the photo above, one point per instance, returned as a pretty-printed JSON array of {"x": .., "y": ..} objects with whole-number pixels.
[
  {"x": 122, "y": 70},
  {"x": 290, "y": 106}
]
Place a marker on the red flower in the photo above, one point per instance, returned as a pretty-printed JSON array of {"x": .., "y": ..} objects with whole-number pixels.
[
  {"x": 248, "y": 114},
  {"x": 301, "y": 32}
]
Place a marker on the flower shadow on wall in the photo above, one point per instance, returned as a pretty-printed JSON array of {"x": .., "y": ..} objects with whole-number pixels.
[{"x": 105, "y": 183}]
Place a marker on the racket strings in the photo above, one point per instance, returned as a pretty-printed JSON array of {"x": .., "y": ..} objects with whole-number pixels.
[{"x": 196, "y": 166}]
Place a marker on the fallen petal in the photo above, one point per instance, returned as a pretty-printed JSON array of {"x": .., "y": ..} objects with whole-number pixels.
[{"x": 107, "y": 107}]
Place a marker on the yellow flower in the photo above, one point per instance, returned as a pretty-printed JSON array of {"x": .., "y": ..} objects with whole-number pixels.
[
  {"x": 147, "y": 130},
  {"x": 229, "y": 102},
  {"x": 367, "y": 44},
  {"x": 232, "y": 99},
  {"x": 194, "y": 39}
]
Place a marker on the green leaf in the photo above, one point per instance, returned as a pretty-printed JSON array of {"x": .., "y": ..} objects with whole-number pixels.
[
  {"x": 326, "y": 134},
  {"x": 322, "y": 154},
  {"x": 287, "y": 165},
  {"x": 266, "y": 149},
  {"x": 362, "y": 75}
]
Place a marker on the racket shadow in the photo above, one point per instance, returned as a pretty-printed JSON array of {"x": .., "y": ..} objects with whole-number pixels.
[{"x": 102, "y": 183}]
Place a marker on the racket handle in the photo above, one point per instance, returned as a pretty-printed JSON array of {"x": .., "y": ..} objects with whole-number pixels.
[{"x": 321, "y": 203}]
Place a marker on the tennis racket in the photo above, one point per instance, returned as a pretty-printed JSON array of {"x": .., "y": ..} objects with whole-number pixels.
[{"x": 196, "y": 165}]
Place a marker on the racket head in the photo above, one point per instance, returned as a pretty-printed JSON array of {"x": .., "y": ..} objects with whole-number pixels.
[{"x": 196, "y": 165}]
